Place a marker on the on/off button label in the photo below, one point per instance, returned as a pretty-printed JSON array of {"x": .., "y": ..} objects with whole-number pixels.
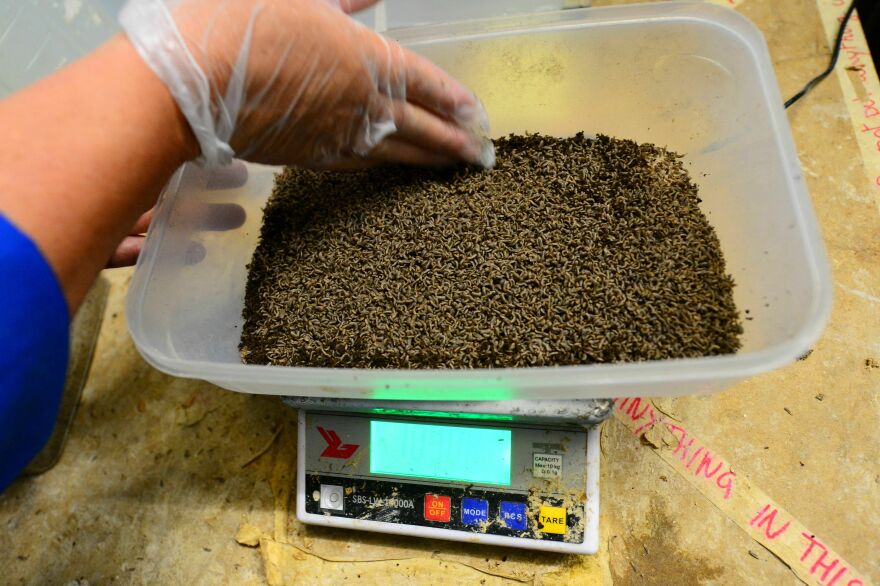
[{"x": 438, "y": 508}]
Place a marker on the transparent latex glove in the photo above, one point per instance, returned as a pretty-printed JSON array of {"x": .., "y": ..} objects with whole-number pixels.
[{"x": 299, "y": 82}]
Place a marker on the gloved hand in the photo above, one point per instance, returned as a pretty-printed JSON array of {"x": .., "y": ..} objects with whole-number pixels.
[{"x": 300, "y": 82}]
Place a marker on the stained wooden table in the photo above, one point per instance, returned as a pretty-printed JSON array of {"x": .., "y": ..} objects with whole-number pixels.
[{"x": 160, "y": 474}]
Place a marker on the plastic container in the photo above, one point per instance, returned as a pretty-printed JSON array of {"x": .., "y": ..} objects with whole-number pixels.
[
  {"x": 692, "y": 76},
  {"x": 394, "y": 14}
]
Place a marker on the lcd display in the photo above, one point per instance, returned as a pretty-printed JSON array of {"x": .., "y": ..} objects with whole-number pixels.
[{"x": 478, "y": 455}]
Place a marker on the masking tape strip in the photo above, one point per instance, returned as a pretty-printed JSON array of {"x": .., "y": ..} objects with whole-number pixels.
[
  {"x": 808, "y": 556},
  {"x": 859, "y": 83}
]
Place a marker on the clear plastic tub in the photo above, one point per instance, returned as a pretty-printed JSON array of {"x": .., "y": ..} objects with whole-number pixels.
[{"x": 691, "y": 76}]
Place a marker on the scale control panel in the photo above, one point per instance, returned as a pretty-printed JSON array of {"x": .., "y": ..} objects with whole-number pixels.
[{"x": 478, "y": 480}]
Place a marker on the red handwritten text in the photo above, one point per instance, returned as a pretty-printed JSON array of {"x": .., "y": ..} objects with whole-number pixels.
[
  {"x": 828, "y": 571},
  {"x": 700, "y": 461},
  {"x": 765, "y": 518}
]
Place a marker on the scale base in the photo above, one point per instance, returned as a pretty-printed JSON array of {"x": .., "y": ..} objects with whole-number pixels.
[{"x": 350, "y": 475}]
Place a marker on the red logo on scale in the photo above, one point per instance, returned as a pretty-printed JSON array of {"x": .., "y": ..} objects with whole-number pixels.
[{"x": 335, "y": 448}]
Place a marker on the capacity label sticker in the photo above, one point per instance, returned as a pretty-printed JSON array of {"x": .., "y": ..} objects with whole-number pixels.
[{"x": 547, "y": 465}]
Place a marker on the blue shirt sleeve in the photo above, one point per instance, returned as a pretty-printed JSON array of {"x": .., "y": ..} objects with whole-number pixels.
[{"x": 34, "y": 342}]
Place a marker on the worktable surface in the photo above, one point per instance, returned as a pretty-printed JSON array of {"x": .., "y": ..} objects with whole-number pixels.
[{"x": 157, "y": 479}]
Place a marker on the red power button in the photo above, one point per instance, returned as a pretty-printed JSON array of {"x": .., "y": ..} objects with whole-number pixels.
[{"x": 438, "y": 508}]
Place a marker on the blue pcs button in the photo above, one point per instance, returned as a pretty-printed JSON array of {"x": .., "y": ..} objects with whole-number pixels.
[
  {"x": 474, "y": 511},
  {"x": 513, "y": 515}
]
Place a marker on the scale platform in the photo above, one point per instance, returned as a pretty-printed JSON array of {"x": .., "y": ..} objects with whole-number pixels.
[{"x": 516, "y": 474}]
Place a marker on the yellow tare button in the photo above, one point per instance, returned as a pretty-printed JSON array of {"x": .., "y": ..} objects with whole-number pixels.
[{"x": 552, "y": 520}]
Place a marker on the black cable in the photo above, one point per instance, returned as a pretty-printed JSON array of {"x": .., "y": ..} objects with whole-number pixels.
[{"x": 835, "y": 55}]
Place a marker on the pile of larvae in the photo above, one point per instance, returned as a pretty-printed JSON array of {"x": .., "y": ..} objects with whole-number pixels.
[{"x": 570, "y": 251}]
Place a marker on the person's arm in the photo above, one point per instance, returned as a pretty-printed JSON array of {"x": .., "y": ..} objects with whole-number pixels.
[
  {"x": 86, "y": 151},
  {"x": 83, "y": 154}
]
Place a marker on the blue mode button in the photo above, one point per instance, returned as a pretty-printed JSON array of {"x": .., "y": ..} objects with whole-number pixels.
[
  {"x": 474, "y": 511},
  {"x": 513, "y": 515}
]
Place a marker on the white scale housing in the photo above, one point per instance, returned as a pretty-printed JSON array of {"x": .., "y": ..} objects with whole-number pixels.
[{"x": 475, "y": 477}]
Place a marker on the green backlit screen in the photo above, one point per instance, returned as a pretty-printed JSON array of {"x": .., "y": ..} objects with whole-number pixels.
[{"x": 442, "y": 452}]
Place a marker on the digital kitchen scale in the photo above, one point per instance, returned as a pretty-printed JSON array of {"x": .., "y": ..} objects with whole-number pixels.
[{"x": 516, "y": 473}]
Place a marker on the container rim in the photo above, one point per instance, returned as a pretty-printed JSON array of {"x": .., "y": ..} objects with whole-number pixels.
[{"x": 732, "y": 366}]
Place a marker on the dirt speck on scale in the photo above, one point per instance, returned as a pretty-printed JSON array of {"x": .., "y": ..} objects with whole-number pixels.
[{"x": 571, "y": 251}]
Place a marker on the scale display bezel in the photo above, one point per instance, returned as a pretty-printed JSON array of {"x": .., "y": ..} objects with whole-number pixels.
[{"x": 307, "y": 483}]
